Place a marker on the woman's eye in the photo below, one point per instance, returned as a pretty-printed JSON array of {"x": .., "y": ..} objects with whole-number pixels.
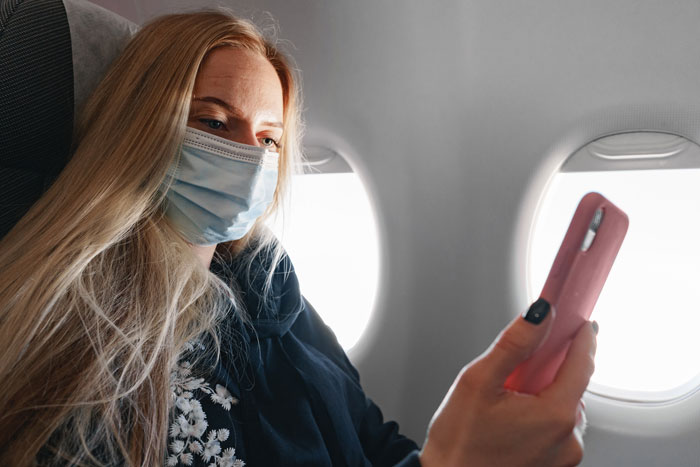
[
  {"x": 269, "y": 143},
  {"x": 211, "y": 123}
]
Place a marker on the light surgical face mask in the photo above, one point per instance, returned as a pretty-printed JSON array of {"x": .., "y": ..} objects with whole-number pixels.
[{"x": 220, "y": 188}]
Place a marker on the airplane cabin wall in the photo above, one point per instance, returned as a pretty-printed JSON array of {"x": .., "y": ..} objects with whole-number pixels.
[{"x": 458, "y": 112}]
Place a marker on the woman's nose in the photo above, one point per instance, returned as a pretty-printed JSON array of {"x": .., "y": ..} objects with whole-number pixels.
[{"x": 245, "y": 135}]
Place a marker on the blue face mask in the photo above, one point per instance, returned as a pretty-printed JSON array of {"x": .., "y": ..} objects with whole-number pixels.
[{"x": 220, "y": 188}]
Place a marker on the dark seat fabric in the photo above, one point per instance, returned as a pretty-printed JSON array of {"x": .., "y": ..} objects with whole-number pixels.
[{"x": 36, "y": 102}]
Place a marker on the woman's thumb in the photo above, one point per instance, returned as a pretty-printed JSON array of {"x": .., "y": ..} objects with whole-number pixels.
[{"x": 517, "y": 342}]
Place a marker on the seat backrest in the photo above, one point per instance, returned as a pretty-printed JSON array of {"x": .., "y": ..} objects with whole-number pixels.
[{"x": 52, "y": 54}]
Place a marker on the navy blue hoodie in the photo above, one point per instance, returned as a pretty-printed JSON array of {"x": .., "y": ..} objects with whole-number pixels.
[{"x": 283, "y": 392}]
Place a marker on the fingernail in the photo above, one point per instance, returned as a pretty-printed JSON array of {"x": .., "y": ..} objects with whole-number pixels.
[
  {"x": 537, "y": 312},
  {"x": 595, "y": 327}
]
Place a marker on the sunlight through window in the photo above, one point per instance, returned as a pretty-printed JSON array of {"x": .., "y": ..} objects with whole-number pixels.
[{"x": 331, "y": 237}]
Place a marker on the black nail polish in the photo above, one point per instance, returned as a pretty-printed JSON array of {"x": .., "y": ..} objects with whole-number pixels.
[
  {"x": 537, "y": 312},
  {"x": 595, "y": 327}
]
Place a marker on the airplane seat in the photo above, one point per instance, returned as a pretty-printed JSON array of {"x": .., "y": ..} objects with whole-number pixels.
[{"x": 52, "y": 55}]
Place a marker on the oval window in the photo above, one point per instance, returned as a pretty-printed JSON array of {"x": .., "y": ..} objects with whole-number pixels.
[
  {"x": 649, "y": 309},
  {"x": 331, "y": 236}
]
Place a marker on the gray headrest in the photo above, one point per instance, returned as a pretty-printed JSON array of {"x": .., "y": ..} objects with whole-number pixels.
[{"x": 97, "y": 36}]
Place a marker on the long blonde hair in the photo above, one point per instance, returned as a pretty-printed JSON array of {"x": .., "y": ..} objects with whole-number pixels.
[{"x": 98, "y": 294}]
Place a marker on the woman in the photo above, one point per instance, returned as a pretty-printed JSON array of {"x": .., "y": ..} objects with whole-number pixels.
[{"x": 148, "y": 317}]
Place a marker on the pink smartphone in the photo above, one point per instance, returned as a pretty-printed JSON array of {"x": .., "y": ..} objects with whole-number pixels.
[{"x": 575, "y": 280}]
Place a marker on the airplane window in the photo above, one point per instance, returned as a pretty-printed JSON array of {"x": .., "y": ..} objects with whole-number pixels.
[
  {"x": 649, "y": 309},
  {"x": 331, "y": 237}
]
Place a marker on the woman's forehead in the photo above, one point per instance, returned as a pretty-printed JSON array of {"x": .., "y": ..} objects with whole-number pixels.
[{"x": 241, "y": 77}]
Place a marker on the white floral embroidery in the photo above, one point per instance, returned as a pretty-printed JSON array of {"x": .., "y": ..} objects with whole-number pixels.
[
  {"x": 190, "y": 422},
  {"x": 223, "y": 397}
]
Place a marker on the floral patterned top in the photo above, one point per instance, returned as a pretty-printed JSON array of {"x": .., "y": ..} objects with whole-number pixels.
[{"x": 190, "y": 437}]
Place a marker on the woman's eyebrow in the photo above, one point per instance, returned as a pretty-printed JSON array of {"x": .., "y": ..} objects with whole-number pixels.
[
  {"x": 231, "y": 109},
  {"x": 274, "y": 124},
  {"x": 215, "y": 100}
]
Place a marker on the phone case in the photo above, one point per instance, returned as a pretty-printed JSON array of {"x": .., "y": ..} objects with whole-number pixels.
[{"x": 572, "y": 288}]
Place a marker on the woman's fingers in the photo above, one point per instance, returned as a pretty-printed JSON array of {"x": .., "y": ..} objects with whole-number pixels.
[
  {"x": 479, "y": 423},
  {"x": 576, "y": 370},
  {"x": 570, "y": 452},
  {"x": 514, "y": 345}
]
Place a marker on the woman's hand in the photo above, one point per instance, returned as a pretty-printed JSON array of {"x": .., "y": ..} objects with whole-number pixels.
[{"x": 479, "y": 423}]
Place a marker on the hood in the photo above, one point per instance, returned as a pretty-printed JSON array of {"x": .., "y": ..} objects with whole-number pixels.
[{"x": 271, "y": 314}]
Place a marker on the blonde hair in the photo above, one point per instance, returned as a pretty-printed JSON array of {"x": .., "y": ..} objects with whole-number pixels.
[{"x": 98, "y": 293}]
